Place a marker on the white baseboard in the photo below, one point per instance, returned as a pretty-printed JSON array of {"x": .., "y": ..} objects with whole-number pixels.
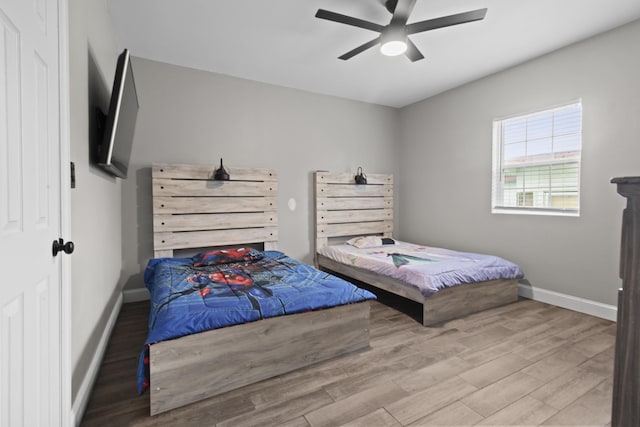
[
  {"x": 79, "y": 405},
  {"x": 135, "y": 295},
  {"x": 592, "y": 308}
]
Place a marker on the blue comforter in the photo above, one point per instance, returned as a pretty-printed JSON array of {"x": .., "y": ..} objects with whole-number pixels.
[{"x": 186, "y": 299}]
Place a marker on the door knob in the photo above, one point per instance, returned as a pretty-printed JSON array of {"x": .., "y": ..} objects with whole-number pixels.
[{"x": 60, "y": 245}]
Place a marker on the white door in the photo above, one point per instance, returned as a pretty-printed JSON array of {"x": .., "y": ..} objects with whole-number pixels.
[{"x": 30, "y": 191}]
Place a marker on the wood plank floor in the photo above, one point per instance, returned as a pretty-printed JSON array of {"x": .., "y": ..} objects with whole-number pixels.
[{"x": 524, "y": 364}]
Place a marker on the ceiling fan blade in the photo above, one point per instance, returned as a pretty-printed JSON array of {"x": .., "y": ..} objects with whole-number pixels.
[
  {"x": 446, "y": 21},
  {"x": 349, "y": 20},
  {"x": 412, "y": 52},
  {"x": 402, "y": 11},
  {"x": 360, "y": 49}
]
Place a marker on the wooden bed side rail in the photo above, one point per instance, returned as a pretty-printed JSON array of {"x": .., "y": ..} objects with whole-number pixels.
[
  {"x": 192, "y": 210},
  {"x": 447, "y": 304}
]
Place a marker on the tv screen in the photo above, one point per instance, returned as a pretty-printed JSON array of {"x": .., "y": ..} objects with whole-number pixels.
[{"x": 120, "y": 123}]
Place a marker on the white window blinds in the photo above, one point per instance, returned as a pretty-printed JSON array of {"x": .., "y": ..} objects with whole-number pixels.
[{"x": 536, "y": 162}]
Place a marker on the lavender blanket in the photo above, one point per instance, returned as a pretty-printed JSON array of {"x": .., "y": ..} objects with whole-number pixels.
[{"x": 429, "y": 269}]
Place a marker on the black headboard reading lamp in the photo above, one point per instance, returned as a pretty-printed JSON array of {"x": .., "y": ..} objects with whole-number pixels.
[
  {"x": 360, "y": 177},
  {"x": 221, "y": 174}
]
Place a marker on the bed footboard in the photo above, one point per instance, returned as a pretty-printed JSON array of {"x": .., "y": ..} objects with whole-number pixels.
[
  {"x": 459, "y": 301},
  {"x": 195, "y": 367}
]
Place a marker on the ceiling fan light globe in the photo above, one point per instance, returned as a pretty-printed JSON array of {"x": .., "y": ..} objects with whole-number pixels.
[{"x": 393, "y": 48}]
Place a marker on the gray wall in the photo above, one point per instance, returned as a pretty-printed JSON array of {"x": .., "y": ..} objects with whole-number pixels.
[
  {"x": 445, "y": 154},
  {"x": 95, "y": 203},
  {"x": 191, "y": 116}
]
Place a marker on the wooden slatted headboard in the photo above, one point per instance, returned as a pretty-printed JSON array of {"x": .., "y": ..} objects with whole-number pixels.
[
  {"x": 191, "y": 210},
  {"x": 344, "y": 209}
]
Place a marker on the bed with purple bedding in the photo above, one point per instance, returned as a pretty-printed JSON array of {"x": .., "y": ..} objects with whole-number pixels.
[
  {"x": 429, "y": 269},
  {"x": 446, "y": 283}
]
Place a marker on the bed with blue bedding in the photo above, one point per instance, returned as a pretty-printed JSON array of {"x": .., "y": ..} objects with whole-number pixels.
[
  {"x": 222, "y": 288},
  {"x": 232, "y": 316}
]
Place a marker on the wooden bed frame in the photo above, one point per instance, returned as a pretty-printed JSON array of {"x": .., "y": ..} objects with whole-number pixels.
[
  {"x": 190, "y": 210},
  {"x": 344, "y": 210}
]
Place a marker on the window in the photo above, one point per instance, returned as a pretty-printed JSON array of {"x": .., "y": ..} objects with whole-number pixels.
[
  {"x": 525, "y": 199},
  {"x": 536, "y": 162}
]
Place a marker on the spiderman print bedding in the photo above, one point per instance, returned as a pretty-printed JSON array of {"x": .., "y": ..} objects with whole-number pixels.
[{"x": 222, "y": 288}]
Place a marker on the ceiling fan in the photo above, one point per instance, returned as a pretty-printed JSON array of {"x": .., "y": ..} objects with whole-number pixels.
[{"x": 393, "y": 38}]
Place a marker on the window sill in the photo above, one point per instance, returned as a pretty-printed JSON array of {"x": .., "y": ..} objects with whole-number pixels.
[{"x": 543, "y": 212}]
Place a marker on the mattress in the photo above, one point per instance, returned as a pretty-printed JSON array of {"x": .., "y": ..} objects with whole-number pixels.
[
  {"x": 427, "y": 268},
  {"x": 213, "y": 290}
]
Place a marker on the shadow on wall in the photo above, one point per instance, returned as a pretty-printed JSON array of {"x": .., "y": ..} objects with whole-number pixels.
[
  {"x": 145, "y": 214},
  {"x": 311, "y": 200},
  {"x": 144, "y": 226}
]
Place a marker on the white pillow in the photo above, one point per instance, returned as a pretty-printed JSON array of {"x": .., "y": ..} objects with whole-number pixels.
[{"x": 364, "y": 242}]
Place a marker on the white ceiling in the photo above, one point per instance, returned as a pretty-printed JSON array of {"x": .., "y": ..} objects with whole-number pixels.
[{"x": 282, "y": 43}]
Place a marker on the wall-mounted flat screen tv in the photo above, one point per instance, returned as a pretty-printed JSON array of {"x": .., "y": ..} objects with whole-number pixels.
[{"x": 114, "y": 152}]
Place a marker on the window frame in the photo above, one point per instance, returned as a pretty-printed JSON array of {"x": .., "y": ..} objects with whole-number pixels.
[{"x": 500, "y": 174}]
